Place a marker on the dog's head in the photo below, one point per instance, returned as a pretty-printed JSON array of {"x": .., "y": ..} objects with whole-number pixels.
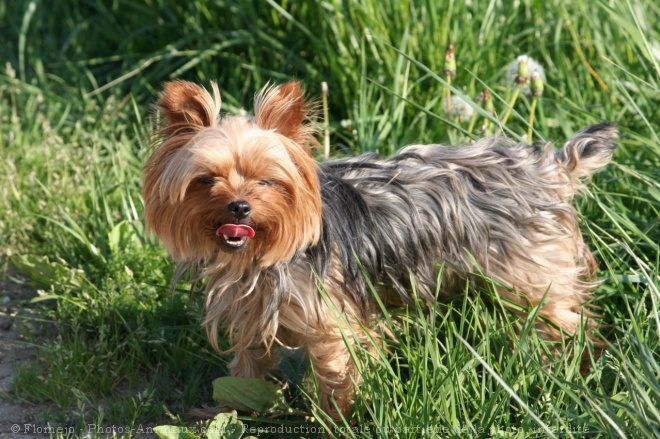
[{"x": 233, "y": 187}]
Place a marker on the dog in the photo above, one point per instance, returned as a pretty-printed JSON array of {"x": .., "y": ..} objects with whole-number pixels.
[{"x": 287, "y": 245}]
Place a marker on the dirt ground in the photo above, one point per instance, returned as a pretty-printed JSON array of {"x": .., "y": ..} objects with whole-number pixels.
[
  {"x": 18, "y": 419},
  {"x": 19, "y": 325}
]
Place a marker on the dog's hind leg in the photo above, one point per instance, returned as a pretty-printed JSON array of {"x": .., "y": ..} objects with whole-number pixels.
[{"x": 330, "y": 346}]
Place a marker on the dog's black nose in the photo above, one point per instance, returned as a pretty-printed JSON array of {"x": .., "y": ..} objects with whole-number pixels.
[{"x": 240, "y": 209}]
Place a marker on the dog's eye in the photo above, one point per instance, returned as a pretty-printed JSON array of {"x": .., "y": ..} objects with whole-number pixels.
[
  {"x": 265, "y": 183},
  {"x": 207, "y": 180}
]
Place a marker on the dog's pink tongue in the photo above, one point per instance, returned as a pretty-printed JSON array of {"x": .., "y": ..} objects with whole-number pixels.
[{"x": 235, "y": 230}]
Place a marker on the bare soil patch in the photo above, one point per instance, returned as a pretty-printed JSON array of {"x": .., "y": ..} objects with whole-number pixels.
[{"x": 18, "y": 419}]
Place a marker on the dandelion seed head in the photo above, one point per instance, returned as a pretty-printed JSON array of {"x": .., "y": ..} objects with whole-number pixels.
[
  {"x": 532, "y": 66},
  {"x": 459, "y": 108}
]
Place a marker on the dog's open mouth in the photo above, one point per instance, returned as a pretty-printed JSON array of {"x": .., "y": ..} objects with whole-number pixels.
[{"x": 235, "y": 236}]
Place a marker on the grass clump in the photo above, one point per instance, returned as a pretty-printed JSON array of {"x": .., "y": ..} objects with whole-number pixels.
[{"x": 76, "y": 87}]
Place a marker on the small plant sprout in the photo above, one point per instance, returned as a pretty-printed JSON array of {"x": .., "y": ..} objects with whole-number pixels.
[
  {"x": 522, "y": 75},
  {"x": 536, "y": 90},
  {"x": 490, "y": 109},
  {"x": 536, "y": 84},
  {"x": 488, "y": 102},
  {"x": 449, "y": 71}
]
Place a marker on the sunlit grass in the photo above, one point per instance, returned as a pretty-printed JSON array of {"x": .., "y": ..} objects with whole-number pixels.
[{"x": 75, "y": 91}]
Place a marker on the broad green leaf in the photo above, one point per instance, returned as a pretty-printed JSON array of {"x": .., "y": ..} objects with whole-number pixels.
[
  {"x": 249, "y": 395},
  {"x": 225, "y": 426},
  {"x": 121, "y": 236},
  {"x": 45, "y": 272},
  {"x": 174, "y": 432}
]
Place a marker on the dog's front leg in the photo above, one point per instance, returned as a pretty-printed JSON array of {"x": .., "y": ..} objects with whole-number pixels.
[{"x": 252, "y": 363}]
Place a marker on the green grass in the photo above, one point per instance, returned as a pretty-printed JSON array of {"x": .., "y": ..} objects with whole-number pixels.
[{"x": 77, "y": 82}]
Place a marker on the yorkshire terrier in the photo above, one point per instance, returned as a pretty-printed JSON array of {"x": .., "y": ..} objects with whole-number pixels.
[{"x": 286, "y": 244}]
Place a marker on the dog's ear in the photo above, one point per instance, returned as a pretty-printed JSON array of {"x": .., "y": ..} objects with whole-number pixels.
[
  {"x": 188, "y": 107},
  {"x": 284, "y": 110},
  {"x": 589, "y": 150}
]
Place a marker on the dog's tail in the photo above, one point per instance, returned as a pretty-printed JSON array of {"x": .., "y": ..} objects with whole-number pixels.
[{"x": 589, "y": 150}]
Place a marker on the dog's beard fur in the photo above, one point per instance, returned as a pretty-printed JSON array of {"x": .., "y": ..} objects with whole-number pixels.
[{"x": 496, "y": 207}]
